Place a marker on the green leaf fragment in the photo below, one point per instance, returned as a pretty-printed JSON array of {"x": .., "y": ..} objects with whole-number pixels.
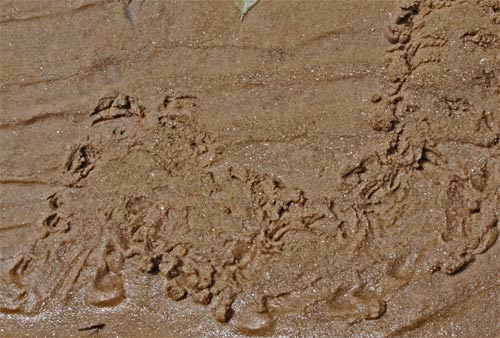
[{"x": 244, "y": 6}]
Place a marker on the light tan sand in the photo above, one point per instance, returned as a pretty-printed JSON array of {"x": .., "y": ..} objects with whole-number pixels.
[{"x": 321, "y": 169}]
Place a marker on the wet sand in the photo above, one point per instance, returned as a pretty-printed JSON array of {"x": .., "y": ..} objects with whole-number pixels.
[{"x": 321, "y": 169}]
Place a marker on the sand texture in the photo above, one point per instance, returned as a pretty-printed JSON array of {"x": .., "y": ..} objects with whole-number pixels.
[{"x": 319, "y": 169}]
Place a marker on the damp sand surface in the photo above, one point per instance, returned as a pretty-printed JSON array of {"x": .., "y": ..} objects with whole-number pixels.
[{"x": 320, "y": 169}]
